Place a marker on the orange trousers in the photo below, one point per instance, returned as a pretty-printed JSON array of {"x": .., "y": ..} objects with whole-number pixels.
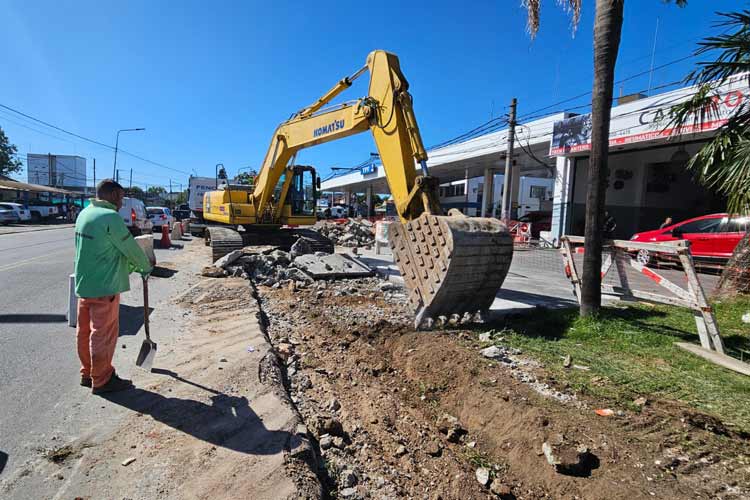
[{"x": 97, "y": 332}]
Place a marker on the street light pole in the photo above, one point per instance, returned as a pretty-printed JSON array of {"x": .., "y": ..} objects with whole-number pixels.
[{"x": 117, "y": 145}]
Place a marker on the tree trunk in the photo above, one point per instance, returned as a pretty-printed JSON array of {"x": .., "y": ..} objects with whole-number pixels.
[
  {"x": 607, "y": 29},
  {"x": 736, "y": 276}
]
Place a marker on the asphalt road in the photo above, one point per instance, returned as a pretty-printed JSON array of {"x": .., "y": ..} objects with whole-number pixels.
[{"x": 40, "y": 399}]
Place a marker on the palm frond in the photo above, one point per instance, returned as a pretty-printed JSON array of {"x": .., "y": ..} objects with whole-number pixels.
[
  {"x": 533, "y": 10},
  {"x": 724, "y": 162}
]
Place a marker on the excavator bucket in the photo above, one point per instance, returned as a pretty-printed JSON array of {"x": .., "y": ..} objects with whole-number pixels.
[{"x": 451, "y": 264}]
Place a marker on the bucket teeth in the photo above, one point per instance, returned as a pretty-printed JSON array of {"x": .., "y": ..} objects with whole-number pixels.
[{"x": 451, "y": 264}]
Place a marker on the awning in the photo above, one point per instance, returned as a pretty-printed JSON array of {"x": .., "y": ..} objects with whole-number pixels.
[{"x": 35, "y": 188}]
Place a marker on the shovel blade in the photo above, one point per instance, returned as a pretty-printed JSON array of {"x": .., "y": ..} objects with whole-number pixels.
[{"x": 146, "y": 355}]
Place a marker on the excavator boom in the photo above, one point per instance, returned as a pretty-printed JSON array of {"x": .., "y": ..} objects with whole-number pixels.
[{"x": 450, "y": 264}]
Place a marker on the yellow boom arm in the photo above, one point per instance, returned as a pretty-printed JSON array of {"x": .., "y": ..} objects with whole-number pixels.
[{"x": 386, "y": 111}]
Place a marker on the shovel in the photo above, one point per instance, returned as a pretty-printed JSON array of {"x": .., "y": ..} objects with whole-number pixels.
[{"x": 148, "y": 349}]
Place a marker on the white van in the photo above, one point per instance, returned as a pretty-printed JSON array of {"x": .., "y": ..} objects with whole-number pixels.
[{"x": 134, "y": 215}]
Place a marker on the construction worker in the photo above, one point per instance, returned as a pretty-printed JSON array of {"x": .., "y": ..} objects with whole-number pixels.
[{"x": 106, "y": 254}]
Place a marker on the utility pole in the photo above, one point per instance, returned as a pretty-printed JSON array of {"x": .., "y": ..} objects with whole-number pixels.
[
  {"x": 170, "y": 193},
  {"x": 94, "y": 175},
  {"x": 505, "y": 212},
  {"x": 131, "y": 179}
]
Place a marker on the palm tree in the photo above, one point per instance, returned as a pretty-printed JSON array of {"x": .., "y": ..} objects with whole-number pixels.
[
  {"x": 723, "y": 164},
  {"x": 607, "y": 31}
]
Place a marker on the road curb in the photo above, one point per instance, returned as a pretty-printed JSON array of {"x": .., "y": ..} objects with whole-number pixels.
[{"x": 67, "y": 226}]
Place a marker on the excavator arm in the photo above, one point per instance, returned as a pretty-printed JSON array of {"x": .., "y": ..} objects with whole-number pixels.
[{"x": 386, "y": 111}]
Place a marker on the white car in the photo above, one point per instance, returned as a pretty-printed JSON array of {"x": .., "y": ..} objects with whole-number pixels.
[
  {"x": 133, "y": 213},
  {"x": 23, "y": 213},
  {"x": 160, "y": 216}
]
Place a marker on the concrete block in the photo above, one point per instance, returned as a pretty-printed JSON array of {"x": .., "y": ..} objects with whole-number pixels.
[
  {"x": 146, "y": 242},
  {"x": 72, "y": 301},
  {"x": 332, "y": 266},
  {"x": 176, "y": 232}
]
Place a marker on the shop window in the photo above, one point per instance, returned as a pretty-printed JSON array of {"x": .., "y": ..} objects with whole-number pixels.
[{"x": 538, "y": 192}]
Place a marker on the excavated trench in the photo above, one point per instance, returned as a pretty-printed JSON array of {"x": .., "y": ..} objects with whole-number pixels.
[{"x": 396, "y": 413}]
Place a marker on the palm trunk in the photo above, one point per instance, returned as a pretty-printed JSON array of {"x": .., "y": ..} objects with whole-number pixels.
[
  {"x": 607, "y": 29},
  {"x": 736, "y": 276}
]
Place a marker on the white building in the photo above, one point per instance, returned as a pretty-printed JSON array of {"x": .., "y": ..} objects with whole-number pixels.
[
  {"x": 62, "y": 171},
  {"x": 534, "y": 194}
]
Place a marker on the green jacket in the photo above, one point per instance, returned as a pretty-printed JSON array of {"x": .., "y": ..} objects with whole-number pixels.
[{"x": 106, "y": 252}]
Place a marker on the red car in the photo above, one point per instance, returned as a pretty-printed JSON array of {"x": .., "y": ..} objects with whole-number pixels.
[{"x": 712, "y": 237}]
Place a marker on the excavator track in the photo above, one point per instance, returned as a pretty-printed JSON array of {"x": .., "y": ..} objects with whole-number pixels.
[
  {"x": 222, "y": 240},
  {"x": 451, "y": 264}
]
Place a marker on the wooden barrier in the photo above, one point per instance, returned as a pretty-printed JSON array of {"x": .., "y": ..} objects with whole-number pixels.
[{"x": 617, "y": 252}]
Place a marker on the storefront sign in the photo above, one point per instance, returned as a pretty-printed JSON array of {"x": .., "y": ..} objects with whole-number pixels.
[
  {"x": 368, "y": 169},
  {"x": 646, "y": 119}
]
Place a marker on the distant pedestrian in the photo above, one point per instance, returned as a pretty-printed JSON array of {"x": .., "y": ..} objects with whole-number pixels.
[
  {"x": 106, "y": 254},
  {"x": 667, "y": 222},
  {"x": 610, "y": 224}
]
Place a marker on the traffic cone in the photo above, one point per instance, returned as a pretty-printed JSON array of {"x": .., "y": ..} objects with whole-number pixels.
[{"x": 165, "y": 243}]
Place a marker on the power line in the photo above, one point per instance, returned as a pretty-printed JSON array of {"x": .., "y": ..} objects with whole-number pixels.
[{"x": 92, "y": 141}]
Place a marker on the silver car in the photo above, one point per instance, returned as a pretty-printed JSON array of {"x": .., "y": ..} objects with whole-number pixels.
[{"x": 8, "y": 216}]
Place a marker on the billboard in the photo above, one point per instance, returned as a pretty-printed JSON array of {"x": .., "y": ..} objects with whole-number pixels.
[
  {"x": 61, "y": 171},
  {"x": 647, "y": 119}
]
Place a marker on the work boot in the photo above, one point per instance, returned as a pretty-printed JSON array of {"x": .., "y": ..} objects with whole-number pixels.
[
  {"x": 86, "y": 381},
  {"x": 114, "y": 384}
]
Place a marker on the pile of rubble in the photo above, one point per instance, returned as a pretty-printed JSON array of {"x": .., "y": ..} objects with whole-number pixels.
[
  {"x": 270, "y": 266},
  {"x": 354, "y": 233}
]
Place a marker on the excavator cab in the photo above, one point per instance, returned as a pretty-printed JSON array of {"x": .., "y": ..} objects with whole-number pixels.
[{"x": 302, "y": 194}]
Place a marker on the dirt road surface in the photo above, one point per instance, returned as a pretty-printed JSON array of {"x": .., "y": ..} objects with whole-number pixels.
[{"x": 211, "y": 421}]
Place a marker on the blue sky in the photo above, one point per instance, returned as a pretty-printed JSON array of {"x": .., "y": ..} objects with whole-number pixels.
[{"x": 211, "y": 80}]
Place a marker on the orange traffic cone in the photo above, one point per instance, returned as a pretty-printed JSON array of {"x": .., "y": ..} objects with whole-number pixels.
[{"x": 165, "y": 243}]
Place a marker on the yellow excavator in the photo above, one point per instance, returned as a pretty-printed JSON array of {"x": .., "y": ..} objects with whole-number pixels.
[{"x": 450, "y": 264}]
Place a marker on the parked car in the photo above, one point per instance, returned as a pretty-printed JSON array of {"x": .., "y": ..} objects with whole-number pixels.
[
  {"x": 160, "y": 216},
  {"x": 133, "y": 213},
  {"x": 712, "y": 238},
  {"x": 182, "y": 212},
  {"x": 539, "y": 220},
  {"x": 24, "y": 214},
  {"x": 41, "y": 210},
  {"x": 8, "y": 216}
]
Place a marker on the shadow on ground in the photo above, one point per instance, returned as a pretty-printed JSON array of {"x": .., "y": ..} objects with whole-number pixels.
[
  {"x": 228, "y": 421},
  {"x": 163, "y": 272},
  {"x": 32, "y": 318},
  {"x": 131, "y": 319},
  {"x": 3, "y": 461}
]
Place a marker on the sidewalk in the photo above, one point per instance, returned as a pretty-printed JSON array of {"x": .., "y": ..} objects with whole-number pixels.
[
  {"x": 535, "y": 279},
  {"x": 212, "y": 420}
]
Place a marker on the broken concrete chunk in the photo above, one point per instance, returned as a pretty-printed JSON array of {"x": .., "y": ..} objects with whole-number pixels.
[
  {"x": 332, "y": 266},
  {"x": 213, "y": 272},
  {"x": 492, "y": 352},
  {"x": 485, "y": 337},
  {"x": 483, "y": 475},
  {"x": 128, "y": 461},
  {"x": 570, "y": 459},
  {"x": 228, "y": 259},
  {"x": 326, "y": 441}
]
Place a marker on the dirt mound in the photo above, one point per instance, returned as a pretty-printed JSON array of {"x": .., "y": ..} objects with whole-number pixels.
[{"x": 424, "y": 414}]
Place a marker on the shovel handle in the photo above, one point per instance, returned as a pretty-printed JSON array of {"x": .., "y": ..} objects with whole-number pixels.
[{"x": 145, "y": 307}]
